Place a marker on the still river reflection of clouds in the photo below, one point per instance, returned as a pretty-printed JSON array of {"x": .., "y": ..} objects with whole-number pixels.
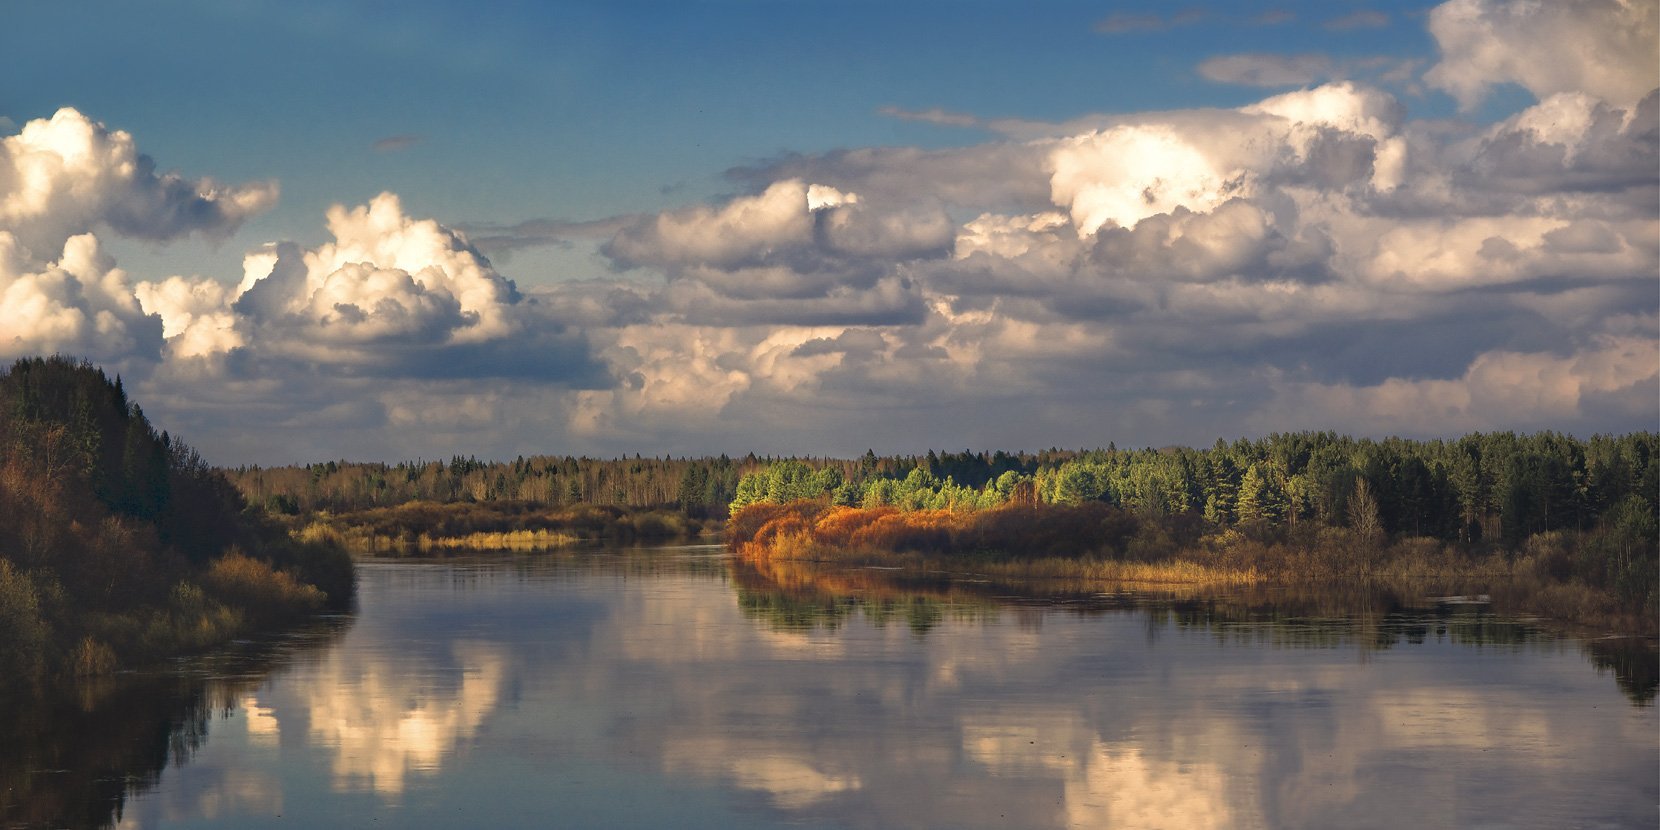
[
  {"x": 385, "y": 721},
  {"x": 992, "y": 718}
]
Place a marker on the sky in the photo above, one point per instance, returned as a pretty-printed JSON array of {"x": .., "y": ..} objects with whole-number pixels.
[{"x": 376, "y": 231}]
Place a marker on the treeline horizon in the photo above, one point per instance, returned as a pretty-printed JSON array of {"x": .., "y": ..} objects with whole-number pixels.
[
  {"x": 1576, "y": 517},
  {"x": 1495, "y": 486},
  {"x": 703, "y": 486}
]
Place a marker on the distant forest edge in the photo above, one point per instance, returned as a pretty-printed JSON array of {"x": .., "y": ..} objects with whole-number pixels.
[
  {"x": 120, "y": 546},
  {"x": 1564, "y": 527},
  {"x": 1578, "y": 514},
  {"x": 1495, "y": 489}
]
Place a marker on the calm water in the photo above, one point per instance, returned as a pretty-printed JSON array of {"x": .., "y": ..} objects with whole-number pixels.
[{"x": 671, "y": 688}]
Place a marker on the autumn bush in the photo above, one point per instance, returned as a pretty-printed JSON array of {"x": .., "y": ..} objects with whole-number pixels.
[
  {"x": 267, "y": 594},
  {"x": 1000, "y": 533}
]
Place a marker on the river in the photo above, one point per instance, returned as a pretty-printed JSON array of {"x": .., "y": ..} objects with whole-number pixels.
[{"x": 675, "y": 688}]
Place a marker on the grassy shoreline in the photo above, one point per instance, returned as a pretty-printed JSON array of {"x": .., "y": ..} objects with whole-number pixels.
[
  {"x": 430, "y": 527},
  {"x": 1097, "y": 544}
]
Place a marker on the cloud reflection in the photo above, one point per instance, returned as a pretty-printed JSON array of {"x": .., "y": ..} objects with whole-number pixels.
[
  {"x": 1128, "y": 788},
  {"x": 1123, "y": 720},
  {"x": 552, "y": 685},
  {"x": 385, "y": 720}
]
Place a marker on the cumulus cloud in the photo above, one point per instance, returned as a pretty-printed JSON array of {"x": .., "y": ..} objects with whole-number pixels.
[
  {"x": 1317, "y": 258},
  {"x": 1127, "y": 174},
  {"x": 1300, "y": 234},
  {"x": 1198, "y": 161},
  {"x": 746, "y": 230},
  {"x": 79, "y": 303},
  {"x": 61, "y": 180},
  {"x": 386, "y": 278},
  {"x": 196, "y": 316},
  {"x": 794, "y": 253},
  {"x": 1610, "y": 382},
  {"x": 1607, "y": 49},
  {"x": 406, "y": 301},
  {"x": 68, "y": 175}
]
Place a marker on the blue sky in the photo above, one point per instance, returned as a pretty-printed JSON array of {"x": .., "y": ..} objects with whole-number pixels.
[
  {"x": 501, "y": 112},
  {"x": 817, "y": 227}
]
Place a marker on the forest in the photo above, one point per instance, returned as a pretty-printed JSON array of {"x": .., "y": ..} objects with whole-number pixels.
[
  {"x": 1570, "y": 521},
  {"x": 697, "y": 487},
  {"x": 94, "y": 498},
  {"x": 120, "y": 546}
]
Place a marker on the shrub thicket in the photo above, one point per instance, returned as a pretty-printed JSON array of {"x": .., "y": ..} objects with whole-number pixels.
[{"x": 118, "y": 544}]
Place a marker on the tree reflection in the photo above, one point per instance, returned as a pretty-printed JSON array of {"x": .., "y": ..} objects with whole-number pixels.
[
  {"x": 1633, "y": 662},
  {"x": 74, "y": 755},
  {"x": 798, "y": 597},
  {"x": 804, "y": 596}
]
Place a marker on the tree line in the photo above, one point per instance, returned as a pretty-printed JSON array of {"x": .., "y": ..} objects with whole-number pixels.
[
  {"x": 700, "y": 487},
  {"x": 1499, "y": 487},
  {"x": 1580, "y": 511}
]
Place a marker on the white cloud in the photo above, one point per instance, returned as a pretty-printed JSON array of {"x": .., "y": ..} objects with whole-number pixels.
[
  {"x": 79, "y": 304},
  {"x": 63, "y": 178},
  {"x": 1604, "y": 48},
  {"x": 1199, "y": 160},
  {"x": 386, "y": 280},
  {"x": 744, "y": 230},
  {"x": 196, "y": 316},
  {"x": 1314, "y": 259},
  {"x": 68, "y": 175},
  {"x": 1126, "y": 174}
]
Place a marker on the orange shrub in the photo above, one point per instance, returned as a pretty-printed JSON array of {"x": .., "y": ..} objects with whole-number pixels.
[
  {"x": 811, "y": 528},
  {"x": 748, "y": 521},
  {"x": 839, "y": 525},
  {"x": 922, "y": 530}
]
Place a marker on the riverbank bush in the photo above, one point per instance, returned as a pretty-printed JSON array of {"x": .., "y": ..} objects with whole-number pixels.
[
  {"x": 119, "y": 545},
  {"x": 1592, "y": 577},
  {"x": 425, "y": 527}
]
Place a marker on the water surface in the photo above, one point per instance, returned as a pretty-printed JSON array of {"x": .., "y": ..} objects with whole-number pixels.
[{"x": 674, "y": 688}]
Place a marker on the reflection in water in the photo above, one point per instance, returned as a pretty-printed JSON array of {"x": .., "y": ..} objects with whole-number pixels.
[
  {"x": 679, "y": 689},
  {"x": 1128, "y": 789},
  {"x": 385, "y": 719},
  {"x": 801, "y": 596},
  {"x": 1633, "y": 662},
  {"x": 790, "y": 782},
  {"x": 73, "y": 757}
]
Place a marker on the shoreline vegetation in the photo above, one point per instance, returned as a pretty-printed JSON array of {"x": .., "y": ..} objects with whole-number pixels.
[
  {"x": 120, "y": 546},
  {"x": 801, "y": 596},
  {"x": 1543, "y": 524},
  {"x": 977, "y": 545},
  {"x": 424, "y": 527}
]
